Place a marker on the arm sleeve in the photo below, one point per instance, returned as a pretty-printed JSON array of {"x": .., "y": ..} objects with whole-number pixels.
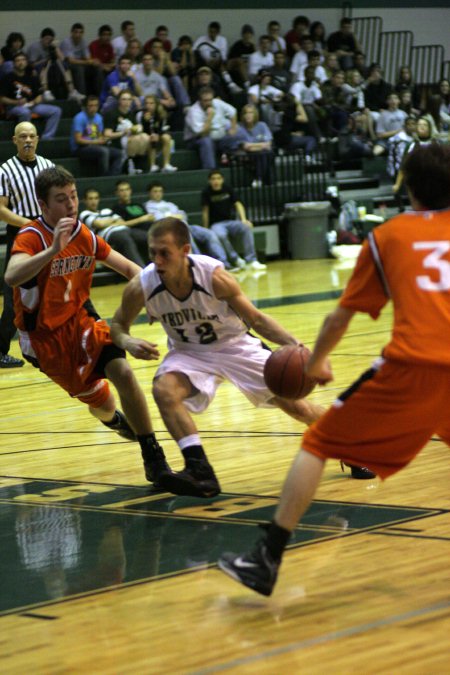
[
  {"x": 365, "y": 291},
  {"x": 103, "y": 249}
]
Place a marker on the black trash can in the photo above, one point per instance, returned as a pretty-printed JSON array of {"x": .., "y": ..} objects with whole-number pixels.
[{"x": 307, "y": 227}]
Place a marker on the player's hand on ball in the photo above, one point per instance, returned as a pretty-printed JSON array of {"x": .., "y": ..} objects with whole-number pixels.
[
  {"x": 320, "y": 371},
  {"x": 141, "y": 349}
]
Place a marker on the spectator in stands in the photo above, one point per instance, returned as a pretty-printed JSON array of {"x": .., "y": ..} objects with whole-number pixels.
[
  {"x": 239, "y": 55},
  {"x": 211, "y": 49},
  {"x": 152, "y": 83},
  {"x": 121, "y": 235},
  {"x": 296, "y": 131},
  {"x": 162, "y": 34},
  {"x": 220, "y": 205},
  {"x": 102, "y": 50},
  {"x": 211, "y": 125},
  {"x": 134, "y": 53},
  {"x": 121, "y": 78},
  {"x": 267, "y": 99},
  {"x": 19, "y": 92},
  {"x": 257, "y": 143},
  {"x": 301, "y": 60},
  {"x": 47, "y": 59},
  {"x": 397, "y": 146},
  {"x": 278, "y": 43},
  {"x": 153, "y": 119},
  {"x": 318, "y": 36},
  {"x": 309, "y": 95},
  {"x": 183, "y": 56},
  {"x": 88, "y": 142},
  {"x": 263, "y": 58},
  {"x": 354, "y": 141},
  {"x": 281, "y": 77},
  {"x": 331, "y": 65},
  {"x": 377, "y": 91},
  {"x": 344, "y": 44},
  {"x": 334, "y": 100},
  {"x": 129, "y": 210},
  {"x": 200, "y": 236},
  {"x": 444, "y": 104},
  {"x": 405, "y": 82},
  {"x": 123, "y": 131},
  {"x": 205, "y": 77},
  {"x": 168, "y": 69},
  {"x": 15, "y": 42},
  {"x": 359, "y": 62},
  {"x": 120, "y": 43},
  {"x": 363, "y": 122},
  {"x": 86, "y": 71},
  {"x": 424, "y": 136},
  {"x": 389, "y": 124},
  {"x": 300, "y": 25},
  {"x": 313, "y": 59}
]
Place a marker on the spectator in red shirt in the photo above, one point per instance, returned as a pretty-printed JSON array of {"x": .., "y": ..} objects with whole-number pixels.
[
  {"x": 300, "y": 26},
  {"x": 162, "y": 34},
  {"x": 102, "y": 50}
]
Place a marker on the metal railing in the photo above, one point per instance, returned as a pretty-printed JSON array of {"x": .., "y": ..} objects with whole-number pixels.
[
  {"x": 426, "y": 63},
  {"x": 394, "y": 50},
  {"x": 367, "y": 31},
  {"x": 292, "y": 178}
]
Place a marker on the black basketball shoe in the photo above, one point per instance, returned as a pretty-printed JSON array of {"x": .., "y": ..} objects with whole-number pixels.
[
  {"x": 155, "y": 467},
  {"x": 197, "y": 479},
  {"x": 256, "y": 569},
  {"x": 122, "y": 427},
  {"x": 359, "y": 472}
]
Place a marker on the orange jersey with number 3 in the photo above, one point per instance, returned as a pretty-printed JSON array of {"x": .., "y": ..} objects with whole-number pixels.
[
  {"x": 408, "y": 260},
  {"x": 62, "y": 287}
]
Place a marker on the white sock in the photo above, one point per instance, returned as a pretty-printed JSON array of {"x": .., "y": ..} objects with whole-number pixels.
[{"x": 187, "y": 441}]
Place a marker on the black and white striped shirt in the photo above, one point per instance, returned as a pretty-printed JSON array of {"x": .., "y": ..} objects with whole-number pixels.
[{"x": 17, "y": 183}]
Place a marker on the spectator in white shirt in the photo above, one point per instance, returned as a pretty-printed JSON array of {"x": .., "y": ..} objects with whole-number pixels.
[
  {"x": 309, "y": 95},
  {"x": 265, "y": 97},
  {"x": 278, "y": 42},
  {"x": 320, "y": 74},
  {"x": 210, "y": 125},
  {"x": 212, "y": 49},
  {"x": 262, "y": 58},
  {"x": 389, "y": 123},
  {"x": 120, "y": 42}
]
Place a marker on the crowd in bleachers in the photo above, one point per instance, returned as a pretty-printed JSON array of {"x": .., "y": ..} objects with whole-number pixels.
[{"x": 307, "y": 88}]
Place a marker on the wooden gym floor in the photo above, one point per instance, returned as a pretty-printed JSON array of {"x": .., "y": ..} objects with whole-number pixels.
[{"x": 100, "y": 575}]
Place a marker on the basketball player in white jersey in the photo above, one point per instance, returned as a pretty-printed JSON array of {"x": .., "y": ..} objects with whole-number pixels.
[{"x": 207, "y": 318}]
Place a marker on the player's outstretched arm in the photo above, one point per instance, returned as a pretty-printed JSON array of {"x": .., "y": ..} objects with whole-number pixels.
[
  {"x": 117, "y": 262},
  {"x": 227, "y": 288},
  {"x": 132, "y": 303},
  {"x": 333, "y": 329}
]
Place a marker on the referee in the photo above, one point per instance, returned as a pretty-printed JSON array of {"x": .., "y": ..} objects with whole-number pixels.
[{"x": 18, "y": 205}]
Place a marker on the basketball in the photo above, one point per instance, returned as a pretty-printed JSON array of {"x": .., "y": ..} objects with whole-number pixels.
[{"x": 284, "y": 372}]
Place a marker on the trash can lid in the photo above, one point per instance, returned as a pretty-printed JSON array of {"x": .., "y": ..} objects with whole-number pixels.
[{"x": 307, "y": 206}]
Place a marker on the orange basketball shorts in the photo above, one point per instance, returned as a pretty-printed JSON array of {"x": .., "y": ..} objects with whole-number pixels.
[
  {"x": 68, "y": 356},
  {"x": 385, "y": 418}
]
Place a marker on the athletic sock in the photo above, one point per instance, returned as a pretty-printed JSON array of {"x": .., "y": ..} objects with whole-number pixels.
[
  {"x": 115, "y": 420},
  {"x": 277, "y": 539},
  {"x": 150, "y": 447}
]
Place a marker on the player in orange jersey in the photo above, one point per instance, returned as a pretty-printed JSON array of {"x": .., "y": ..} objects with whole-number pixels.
[
  {"x": 385, "y": 418},
  {"x": 51, "y": 269}
]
